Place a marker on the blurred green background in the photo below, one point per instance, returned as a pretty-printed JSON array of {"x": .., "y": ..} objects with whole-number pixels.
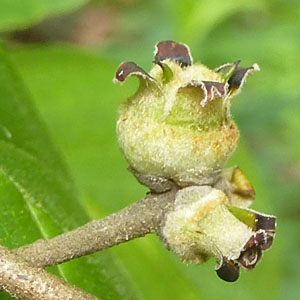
[{"x": 65, "y": 54}]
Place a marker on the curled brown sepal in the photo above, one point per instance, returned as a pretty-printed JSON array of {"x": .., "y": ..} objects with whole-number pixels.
[
  {"x": 228, "y": 270},
  {"x": 173, "y": 51},
  {"x": 234, "y": 75},
  {"x": 241, "y": 184},
  {"x": 266, "y": 224},
  {"x": 237, "y": 79},
  {"x": 263, "y": 227},
  {"x": 241, "y": 192},
  {"x": 210, "y": 90},
  {"x": 127, "y": 69},
  {"x": 252, "y": 251}
]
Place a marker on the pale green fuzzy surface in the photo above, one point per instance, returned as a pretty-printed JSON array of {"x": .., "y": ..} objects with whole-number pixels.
[
  {"x": 166, "y": 132},
  {"x": 225, "y": 231},
  {"x": 201, "y": 226},
  {"x": 175, "y": 152},
  {"x": 186, "y": 101}
]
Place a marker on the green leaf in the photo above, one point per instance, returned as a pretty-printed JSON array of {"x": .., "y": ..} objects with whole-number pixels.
[
  {"x": 16, "y": 14},
  {"x": 37, "y": 196}
]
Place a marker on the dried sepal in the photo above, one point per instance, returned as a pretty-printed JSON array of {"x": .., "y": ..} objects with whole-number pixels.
[
  {"x": 128, "y": 69},
  {"x": 268, "y": 241},
  {"x": 252, "y": 252},
  {"x": 209, "y": 90},
  {"x": 265, "y": 222},
  {"x": 237, "y": 80},
  {"x": 234, "y": 75},
  {"x": 241, "y": 185},
  {"x": 253, "y": 249},
  {"x": 263, "y": 227},
  {"x": 239, "y": 189},
  {"x": 228, "y": 270},
  {"x": 170, "y": 50}
]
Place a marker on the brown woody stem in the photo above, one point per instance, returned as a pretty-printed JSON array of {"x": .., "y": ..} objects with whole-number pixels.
[
  {"x": 23, "y": 281},
  {"x": 136, "y": 220}
]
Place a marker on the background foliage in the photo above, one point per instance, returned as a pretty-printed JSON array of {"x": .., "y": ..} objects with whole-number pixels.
[{"x": 62, "y": 55}]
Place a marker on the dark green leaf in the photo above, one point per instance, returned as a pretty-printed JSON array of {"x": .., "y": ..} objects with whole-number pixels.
[{"x": 37, "y": 197}]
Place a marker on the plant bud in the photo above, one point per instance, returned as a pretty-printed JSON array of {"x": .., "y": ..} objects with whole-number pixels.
[
  {"x": 204, "y": 224},
  {"x": 177, "y": 127}
]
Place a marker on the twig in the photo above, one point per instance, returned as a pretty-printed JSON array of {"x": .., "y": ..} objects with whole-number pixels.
[
  {"x": 136, "y": 220},
  {"x": 26, "y": 282},
  {"x": 21, "y": 272}
]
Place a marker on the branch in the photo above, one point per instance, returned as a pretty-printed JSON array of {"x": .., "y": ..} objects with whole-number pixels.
[
  {"x": 26, "y": 282},
  {"x": 136, "y": 220}
]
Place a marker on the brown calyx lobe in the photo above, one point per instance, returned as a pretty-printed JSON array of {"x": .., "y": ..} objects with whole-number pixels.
[
  {"x": 229, "y": 270},
  {"x": 267, "y": 223},
  {"x": 173, "y": 51},
  {"x": 262, "y": 240},
  {"x": 127, "y": 69},
  {"x": 237, "y": 79},
  {"x": 235, "y": 75},
  {"x": 208, "y": 90}
]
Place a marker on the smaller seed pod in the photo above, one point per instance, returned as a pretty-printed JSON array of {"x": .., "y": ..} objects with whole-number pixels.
[
  {"x": 177, "y": 128},
  {"x": 205, "y": 224}
]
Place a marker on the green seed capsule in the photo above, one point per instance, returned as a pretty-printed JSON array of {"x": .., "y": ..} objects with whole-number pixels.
[{"x": 178, "y": 126}]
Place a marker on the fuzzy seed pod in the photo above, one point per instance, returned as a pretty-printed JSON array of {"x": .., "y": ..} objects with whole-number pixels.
[
  {"x": 177, "y": 128},
  {"x": 204, "y": 224}
]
